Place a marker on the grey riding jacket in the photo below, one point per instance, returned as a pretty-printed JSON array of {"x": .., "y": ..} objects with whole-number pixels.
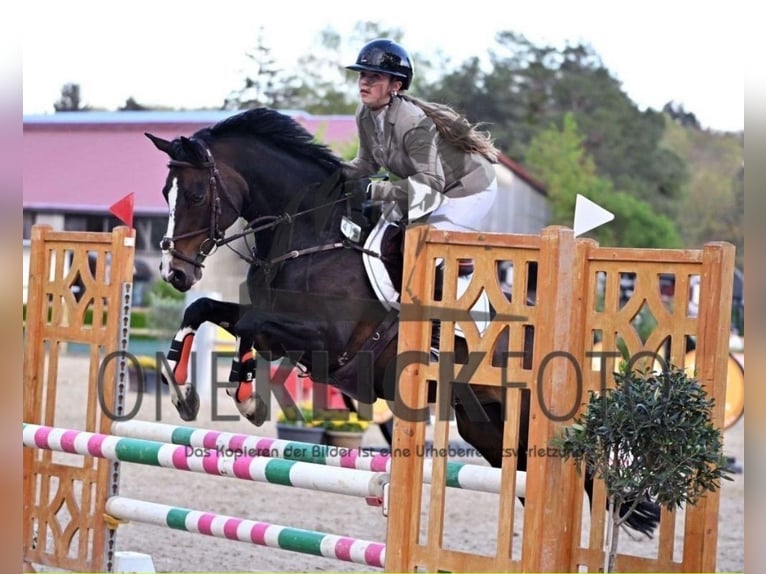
[{"x": 405, "y": 142}]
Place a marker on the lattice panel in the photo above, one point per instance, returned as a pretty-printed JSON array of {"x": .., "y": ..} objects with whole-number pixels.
[
  {"x": 653, "y": 322},
  {"x": 549, "y": 335},
  {"x": 512, "y": 317},
  {"x": 79, "y": 294},
  {"x": 61, "y": 517},
  {"x": 500, "y": 363},
  {"x": 639, "y": 312}
]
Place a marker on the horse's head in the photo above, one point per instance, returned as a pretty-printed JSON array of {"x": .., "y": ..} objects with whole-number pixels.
[
  {"x": 257, "y": 164},
  {"x": 203, "y": 201}
]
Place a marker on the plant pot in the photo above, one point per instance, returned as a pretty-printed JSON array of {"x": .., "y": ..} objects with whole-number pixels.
[
  {"x": 344, "y": 439},
  {"x": 314, "y": 435}
]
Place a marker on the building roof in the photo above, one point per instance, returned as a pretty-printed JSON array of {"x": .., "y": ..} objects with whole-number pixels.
[
  {"x": 86, "y": 161},
  {"x": 195, "y": 117},
  {"x": 522, "y": 173}
]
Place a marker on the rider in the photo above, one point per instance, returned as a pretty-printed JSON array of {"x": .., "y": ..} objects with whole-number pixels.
[{"x": 442, "y": 163}]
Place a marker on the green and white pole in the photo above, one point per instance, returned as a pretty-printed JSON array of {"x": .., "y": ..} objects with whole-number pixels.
[
  {"x": 261, "y": 533},
  {"x": 219, "y": 462},
  {"x": 459, "y": 475}
]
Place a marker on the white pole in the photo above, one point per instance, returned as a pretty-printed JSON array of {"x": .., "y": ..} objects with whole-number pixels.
[{"x": 203, "y": 348}]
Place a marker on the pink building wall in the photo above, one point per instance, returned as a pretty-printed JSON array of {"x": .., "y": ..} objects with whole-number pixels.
[{"x": 85, "y": 161}]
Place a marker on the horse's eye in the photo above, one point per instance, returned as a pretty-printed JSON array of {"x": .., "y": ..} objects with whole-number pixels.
[
  {"x": 196, "y": 198},
  {"x": 195, "y": 195}
]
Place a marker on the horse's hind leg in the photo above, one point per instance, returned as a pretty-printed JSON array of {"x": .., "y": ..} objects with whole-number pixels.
[
  {"x": 486, "y": 436},
  {"x": 184, "y": 397},
  {"x": 644, "y": 518}
]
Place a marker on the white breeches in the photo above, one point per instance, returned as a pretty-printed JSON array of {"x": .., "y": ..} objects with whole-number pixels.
[{"x": 464, "y": 213}]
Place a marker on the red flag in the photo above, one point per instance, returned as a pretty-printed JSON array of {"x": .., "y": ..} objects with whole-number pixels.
[{"x": 123, "y": 209}]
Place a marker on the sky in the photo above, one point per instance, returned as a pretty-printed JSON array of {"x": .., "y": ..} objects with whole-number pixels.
[{"x": 190, "y": 54}]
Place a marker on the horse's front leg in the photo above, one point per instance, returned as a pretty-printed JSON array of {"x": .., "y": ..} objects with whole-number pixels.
[
  {"x": 184, "y": 396},
  {"x": 249, "y": 403},
  {"x": 277, "y": 337}
]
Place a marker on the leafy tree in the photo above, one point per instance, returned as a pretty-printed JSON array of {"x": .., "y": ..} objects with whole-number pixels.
[
  {"x": 132, "y": 105},
  {"x": 624, "y": 142},
  {"x": 678, "y": 114},
  {"x": 464, "y": 89},
  {"x": 636, "y": 224},
  {"x": 505, "y": 95},
  {"x": 712, "y": 207},
  {"x": 559, "y": 158},
  {"x": 736, "y": 216},
  {"x": 70, "y": 100},
  {"x": 264, "y": 86},
  {"x": 528, "y": 87}
]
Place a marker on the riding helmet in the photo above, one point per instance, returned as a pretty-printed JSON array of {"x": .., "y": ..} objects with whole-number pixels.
[{"x": 387, "y": 57}]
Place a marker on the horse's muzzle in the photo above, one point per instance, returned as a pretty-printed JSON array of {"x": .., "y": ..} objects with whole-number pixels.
[{"x": 181, "y": 279}]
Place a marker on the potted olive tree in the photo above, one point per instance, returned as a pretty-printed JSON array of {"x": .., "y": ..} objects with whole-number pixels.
[{"x": 651, "y": 436}]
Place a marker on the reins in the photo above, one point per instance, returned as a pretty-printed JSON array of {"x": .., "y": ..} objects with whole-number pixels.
[{"x": 276, "y": 221}]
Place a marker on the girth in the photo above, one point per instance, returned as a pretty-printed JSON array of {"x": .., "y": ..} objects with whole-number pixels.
[{"x": 345, "y": 376}]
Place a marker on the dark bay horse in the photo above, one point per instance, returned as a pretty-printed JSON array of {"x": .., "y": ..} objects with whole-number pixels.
[{"x": 308, "y": 298}]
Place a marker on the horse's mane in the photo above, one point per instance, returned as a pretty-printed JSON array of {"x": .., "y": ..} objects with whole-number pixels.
[{"x": 276, "y": 128}]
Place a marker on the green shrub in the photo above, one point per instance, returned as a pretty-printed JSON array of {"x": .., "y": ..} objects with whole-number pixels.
[
  {"x": 164, "y": 290},
  {"x": 138, "y": 319},
  {"x": 164, "y": 316}
]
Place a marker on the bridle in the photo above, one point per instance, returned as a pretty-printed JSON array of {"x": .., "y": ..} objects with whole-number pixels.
[{"x": 215, "y": 235}]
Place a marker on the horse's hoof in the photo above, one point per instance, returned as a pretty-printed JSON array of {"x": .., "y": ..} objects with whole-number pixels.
[
  {"x": 261, "y": 413},
  {"x": 188, "y": 407}
]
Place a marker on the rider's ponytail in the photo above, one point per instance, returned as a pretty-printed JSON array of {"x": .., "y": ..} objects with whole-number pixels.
[{"x": 456, "y": 129}]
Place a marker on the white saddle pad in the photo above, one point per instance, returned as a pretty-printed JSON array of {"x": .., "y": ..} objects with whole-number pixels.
[{"x": 389, "y": 296}]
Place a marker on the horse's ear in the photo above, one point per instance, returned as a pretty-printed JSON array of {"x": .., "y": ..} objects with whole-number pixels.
[
  {"x": 159, "y": 143},
  {"x": 193, "y": 150}
]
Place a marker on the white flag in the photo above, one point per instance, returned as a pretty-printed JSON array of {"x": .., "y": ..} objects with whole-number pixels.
[{"x": 589, "y": 215}]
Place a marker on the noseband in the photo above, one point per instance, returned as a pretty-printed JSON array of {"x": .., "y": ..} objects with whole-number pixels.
[{"x": 215, "y": 234}]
